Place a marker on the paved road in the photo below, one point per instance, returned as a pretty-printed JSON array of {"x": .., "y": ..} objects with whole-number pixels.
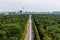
[{"x": 29, "y": 34}]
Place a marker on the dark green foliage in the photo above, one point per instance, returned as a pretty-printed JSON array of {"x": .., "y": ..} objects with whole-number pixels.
[
  {"x": 48, "y": 26},
  {"x": 12, "y": 27},
  {"x": 36, "y": 32}
]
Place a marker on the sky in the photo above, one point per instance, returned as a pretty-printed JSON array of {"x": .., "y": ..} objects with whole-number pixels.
[{"x": 30, "y": 5}]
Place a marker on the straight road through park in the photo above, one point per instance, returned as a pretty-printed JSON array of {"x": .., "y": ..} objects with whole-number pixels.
[{"x": 29, "y": 34}]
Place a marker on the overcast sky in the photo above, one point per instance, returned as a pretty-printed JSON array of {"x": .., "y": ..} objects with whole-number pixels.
[{"x": 30, "y": 5}]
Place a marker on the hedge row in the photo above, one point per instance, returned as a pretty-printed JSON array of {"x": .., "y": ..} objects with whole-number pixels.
[
  {"x": 36, "y": 32},
  {"x": 25, "y": 31}
]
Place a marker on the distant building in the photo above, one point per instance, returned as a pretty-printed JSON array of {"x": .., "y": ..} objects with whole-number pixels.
[
  {"x": 6, "y": 13},
  {"x": 12, "y": 13},
  {"x": 21, "y": 11},
  {"x": 56, "y": 12}
]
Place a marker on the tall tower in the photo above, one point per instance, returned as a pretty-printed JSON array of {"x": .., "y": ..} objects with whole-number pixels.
[{"x": 23, "y": 9}]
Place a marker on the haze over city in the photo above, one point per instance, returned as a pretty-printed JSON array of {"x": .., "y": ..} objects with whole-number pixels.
[{"x": 30, "y": 5}]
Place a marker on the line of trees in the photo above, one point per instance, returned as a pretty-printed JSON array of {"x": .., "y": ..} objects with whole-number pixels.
[{"x": 47, "y": 25}]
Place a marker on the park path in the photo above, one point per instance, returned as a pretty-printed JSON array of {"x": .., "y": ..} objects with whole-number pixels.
[{"x": 30, "y": 32}]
